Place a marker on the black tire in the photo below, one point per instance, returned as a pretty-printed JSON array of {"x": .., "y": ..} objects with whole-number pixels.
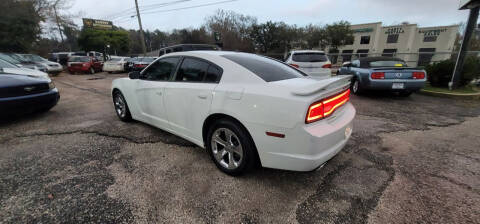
[
  {"x": 125, "y": 115},
  {"x": 405, "y": 93},
  {"x": 249, "y": 153},
  {"x": 355, "y": 89},
  {"x": 92, "y": 70},
  {"x": 110, "y": 72}
]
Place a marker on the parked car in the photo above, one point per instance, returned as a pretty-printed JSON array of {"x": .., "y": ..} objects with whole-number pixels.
[
  {"x": 64, "y": 56},
  {"x": 19, "y": 61},
  {"x": 20, "y": 94},
  {"x": 129, "y": 64},
  {"x": 384, "y": 73},
  {"x": 14, "y": 69},
  {"x": 314, "y": 63},
  {"x": 242, "y": 107},
  {"x": 142, "y": 62},
  {"x": 84, "y": 64},
  {"x": 188, "y": 47},
  {"x": 115, "y": 64},
  {"x": 52, "y": 67}
]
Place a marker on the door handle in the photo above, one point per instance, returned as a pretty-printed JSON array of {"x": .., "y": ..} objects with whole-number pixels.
[{"x": 202, "y": 96}]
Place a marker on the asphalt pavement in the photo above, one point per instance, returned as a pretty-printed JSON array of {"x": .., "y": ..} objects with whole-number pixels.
[{"x": 410, "y": 160}]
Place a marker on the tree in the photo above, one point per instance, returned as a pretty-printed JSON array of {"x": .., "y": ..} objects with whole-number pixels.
[
  {"x": 336, "y": 35},
  {"x": 20, "y": 24},
  {"x": 97, "y": 40},
  {"x": 234, "y": 29}
]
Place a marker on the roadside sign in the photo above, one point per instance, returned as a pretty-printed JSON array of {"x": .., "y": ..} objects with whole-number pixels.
[{"x": 97, "y": 24}]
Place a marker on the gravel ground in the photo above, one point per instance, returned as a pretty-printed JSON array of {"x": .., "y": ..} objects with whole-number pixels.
[{"x": 410, "y": 160}]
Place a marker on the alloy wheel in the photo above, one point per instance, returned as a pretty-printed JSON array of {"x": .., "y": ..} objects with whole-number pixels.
[
  {"x": 355, "y": 86},
  {"x": 227, "y": 149},
  {"x": 120, "y": 107}
]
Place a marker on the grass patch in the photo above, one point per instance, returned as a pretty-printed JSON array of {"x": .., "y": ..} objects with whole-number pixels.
[{"x": 464, "y": 89}]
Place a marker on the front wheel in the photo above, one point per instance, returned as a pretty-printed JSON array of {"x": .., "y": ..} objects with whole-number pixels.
[
  {"x": 121, "y": 107},
  {"x": 231, "y": 148}
]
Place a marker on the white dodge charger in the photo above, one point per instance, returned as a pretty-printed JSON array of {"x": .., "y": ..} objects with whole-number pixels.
[{"x": 245, "y": 109}]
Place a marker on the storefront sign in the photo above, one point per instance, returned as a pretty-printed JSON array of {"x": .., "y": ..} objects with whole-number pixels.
[{"x": 395, "y": 30}]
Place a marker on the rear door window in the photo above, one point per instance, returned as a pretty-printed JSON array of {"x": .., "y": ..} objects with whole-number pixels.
[
  {"x": 309, "y": 57},
  {"x": 192, "y": 70},
  {"x": 214, "y": 74},
  {"x": 267, "y": 69}
]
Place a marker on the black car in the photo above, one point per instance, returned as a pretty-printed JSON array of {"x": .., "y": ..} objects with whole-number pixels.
[
  {"x": 21, "y": 94},
  {"x": 129, "y": 64},
  {"x": 188, "y": 47}
]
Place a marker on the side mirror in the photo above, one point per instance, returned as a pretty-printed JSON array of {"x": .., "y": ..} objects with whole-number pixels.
[
  {"x": 347, "y": 64},
  {"x": 134, "y": 75}
]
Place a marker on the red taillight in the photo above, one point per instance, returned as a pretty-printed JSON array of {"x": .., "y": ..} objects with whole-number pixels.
[
  {"x": 138, "y": 65},
  {"x": 326, "y": 107},
  {"x": 327, "y": 66},
  {"x": 378, "y": 75},
  {"x": 294, "y": 65},
  {"x": 418, "y": 75}
]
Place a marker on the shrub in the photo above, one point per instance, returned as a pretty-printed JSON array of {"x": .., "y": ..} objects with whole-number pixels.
[{"x": 440, "y": 73}]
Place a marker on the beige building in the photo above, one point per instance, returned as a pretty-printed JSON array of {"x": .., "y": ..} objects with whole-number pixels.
[{"x": 416, "y": 45}]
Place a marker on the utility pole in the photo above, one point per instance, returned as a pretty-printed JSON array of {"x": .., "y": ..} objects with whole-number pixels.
[{"x": 142, "y": 36}]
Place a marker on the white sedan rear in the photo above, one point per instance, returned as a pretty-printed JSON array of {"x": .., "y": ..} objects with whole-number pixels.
[
  {"x": 314, "y": 63},
  {"x": 116, "y": 64},
  {"x": 243, "y": 108}
]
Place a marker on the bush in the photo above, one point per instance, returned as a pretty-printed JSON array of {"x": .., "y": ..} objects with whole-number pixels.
[{"x": 440, "y": 73}]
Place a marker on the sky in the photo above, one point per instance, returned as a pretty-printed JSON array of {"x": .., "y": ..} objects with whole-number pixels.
[{"x": 425, "y": 13}]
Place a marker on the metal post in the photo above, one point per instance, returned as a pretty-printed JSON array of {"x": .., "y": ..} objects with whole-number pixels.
[
  {"x": 457, "y": 72},
  {"x": 142, "y": 37}
]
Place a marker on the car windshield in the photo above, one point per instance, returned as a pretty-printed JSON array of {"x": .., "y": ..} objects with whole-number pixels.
[
  {"x": 4, "y": 64},
  {"x": 20, "y": 58},
  {"x": 9, "y": 59},
  {"x": 309, "y": 57},
  {"x": 35, "y": 58},
  {"x": 268, "y": 69},
  {"x": 79, "y": 59},
  {"x": 391, "y": 63}
]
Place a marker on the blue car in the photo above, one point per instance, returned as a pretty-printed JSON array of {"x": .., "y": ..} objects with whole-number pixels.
[
  {"x": 383, "y": 73},
  {"x": 21, "y": 94}
]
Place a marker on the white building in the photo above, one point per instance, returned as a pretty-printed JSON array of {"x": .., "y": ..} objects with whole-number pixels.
[{"x": 416, "y": 45}]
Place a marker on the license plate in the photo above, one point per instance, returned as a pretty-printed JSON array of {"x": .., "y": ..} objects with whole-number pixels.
[{"x": 398, "y": 86}]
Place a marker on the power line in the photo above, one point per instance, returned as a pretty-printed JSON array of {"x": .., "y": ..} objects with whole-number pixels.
[{"x": 143, "y": 8}]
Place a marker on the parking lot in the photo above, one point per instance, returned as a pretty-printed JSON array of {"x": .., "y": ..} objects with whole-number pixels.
[{"x": 409, "y": 159}]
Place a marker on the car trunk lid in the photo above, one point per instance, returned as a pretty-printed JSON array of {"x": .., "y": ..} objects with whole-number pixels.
[{"x": 397, "y": 73}]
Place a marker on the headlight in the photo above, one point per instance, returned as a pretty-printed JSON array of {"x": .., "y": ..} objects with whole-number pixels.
[{"x": 51, "y": 85}]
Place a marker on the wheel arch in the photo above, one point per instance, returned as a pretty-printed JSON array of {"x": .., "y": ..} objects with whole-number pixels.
[{"x": 210, "y": 120}]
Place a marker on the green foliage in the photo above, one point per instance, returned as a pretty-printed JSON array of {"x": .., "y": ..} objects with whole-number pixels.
[
  {"x": 19, "y": 25},
  {"x": 96, "y": 40},
  {"x": 440, "y": 74}
]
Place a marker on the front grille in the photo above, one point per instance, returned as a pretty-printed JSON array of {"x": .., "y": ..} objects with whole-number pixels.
[{"x": 23, "y": 90}]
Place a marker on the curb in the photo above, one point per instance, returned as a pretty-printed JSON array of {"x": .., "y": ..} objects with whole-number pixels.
[{"x": 471, "y": 96}]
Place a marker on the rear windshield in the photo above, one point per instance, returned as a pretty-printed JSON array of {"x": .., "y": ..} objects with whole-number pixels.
[
  {"x": 388, "y": 64},
  {"x": 309, "y": 57},
  {"x": 79, "y": 59},
  {"x": 268, "y": 69}
]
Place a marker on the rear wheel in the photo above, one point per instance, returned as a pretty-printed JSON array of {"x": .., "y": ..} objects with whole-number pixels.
[
  {"x": 230, "y": 147},
  {"x": 355, "y": 88},
  {"x": 121, "y": 107}
]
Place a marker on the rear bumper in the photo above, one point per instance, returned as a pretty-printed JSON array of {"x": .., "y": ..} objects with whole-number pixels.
[
  {"x": 305, "y": 147},
  {"x": 409, "y": 85},
  {"x": 79, "y": 69},
  {"x": 29, "y": 103},
  {"x": 113, "y": 68}
]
